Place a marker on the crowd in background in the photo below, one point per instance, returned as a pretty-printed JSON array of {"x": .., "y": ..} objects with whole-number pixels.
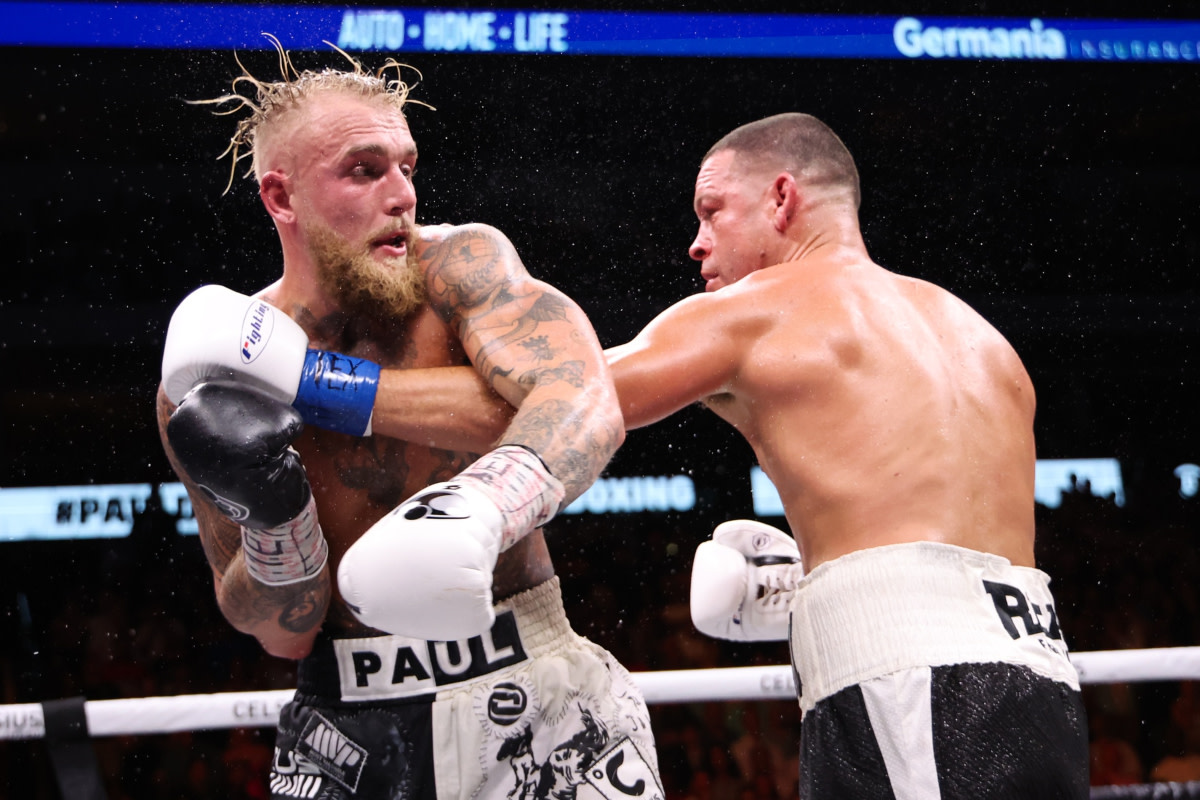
[{"x": 136, "y": 617}]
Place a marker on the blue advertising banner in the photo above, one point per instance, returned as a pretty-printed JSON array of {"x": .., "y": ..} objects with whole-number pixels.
[{"x": 414, "y": 30}]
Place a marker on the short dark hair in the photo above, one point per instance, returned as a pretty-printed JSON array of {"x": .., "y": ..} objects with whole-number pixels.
[{"x": 797, "y": 143}]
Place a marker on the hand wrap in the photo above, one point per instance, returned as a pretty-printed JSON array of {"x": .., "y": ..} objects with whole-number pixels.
[
  {"x": 292, "y": 552},
  {"x": 517, "y": 481}
]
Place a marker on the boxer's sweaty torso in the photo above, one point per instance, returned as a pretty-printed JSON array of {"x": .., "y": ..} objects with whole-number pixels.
[{"x": 356, "y": 480}]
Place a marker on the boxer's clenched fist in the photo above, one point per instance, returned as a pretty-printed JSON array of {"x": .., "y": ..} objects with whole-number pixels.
[
  {"x": 234, "y": 442},
  {"x": 425, "y": 569}
]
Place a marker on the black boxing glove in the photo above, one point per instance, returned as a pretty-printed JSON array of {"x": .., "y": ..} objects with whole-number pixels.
[{"x": 234, "y": 442}]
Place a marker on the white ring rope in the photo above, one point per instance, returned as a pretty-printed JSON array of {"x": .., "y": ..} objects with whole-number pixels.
[{"x": 151, "y": 715}]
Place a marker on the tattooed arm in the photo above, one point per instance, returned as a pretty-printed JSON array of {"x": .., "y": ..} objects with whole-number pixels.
[
  {"x": 532, "y": 344},
  {"x": 285, "y": 619}
]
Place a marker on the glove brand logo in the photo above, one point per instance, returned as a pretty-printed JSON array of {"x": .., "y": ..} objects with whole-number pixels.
[
  {"x": 436, "y": 505},
  {"x": 256, "y": 330},
  {"x": 507, "y": 703},
  {"x": 235, "y": 511}
]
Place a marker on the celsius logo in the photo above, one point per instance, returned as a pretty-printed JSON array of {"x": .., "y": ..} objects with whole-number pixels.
[
  {"x": 256, "y": 330},
  {"x": 1036, "y": 41}
]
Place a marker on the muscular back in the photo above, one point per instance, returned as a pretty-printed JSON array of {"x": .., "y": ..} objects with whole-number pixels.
[{"x": 884, "y": 409}]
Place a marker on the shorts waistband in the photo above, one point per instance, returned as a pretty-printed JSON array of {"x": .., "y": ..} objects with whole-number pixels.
[
  {"x": 880, "y": 610},
  {"x": 389, "y": 667}
]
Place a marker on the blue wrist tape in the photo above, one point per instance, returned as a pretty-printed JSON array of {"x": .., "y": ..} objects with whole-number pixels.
[{"x": 337, "y": 392}]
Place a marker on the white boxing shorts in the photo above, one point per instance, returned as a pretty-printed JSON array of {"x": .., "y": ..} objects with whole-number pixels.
[
  {"x": 528, "y": 710},
  {"x": 932, "y": 672}
]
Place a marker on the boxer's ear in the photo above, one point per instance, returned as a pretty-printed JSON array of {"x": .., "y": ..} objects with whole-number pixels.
[
  {"x": 785, "y": 197},
  {"x": 275, "y": 189}
]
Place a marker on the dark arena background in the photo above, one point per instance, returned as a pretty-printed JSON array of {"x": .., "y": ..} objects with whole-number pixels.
[{"x": 1059, "y": 196}]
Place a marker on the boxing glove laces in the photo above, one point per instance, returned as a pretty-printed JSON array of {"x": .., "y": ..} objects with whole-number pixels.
[{"x": 742, "y": 582}]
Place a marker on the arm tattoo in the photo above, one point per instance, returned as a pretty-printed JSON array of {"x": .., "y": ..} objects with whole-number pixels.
[
  {"x": 570, "y": 373},
  {"x": 463, "y": 271},
  {"x": 296, "y": 608},
  {"x": 221, "y": 541},
  {"x": 305, "y": 611},
  {"x": 519, "y": 332},
  {"x": 545, "y": 308},
  {"x": 550, "y": 428}
]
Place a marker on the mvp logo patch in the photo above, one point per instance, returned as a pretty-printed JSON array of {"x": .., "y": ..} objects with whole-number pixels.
[{"x": 332, "y": 751}]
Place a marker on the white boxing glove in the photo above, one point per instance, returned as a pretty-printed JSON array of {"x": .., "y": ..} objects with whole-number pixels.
[
  {"x": 742, "y": 581},
  {"x": 425, "y": 569},
  {"x": 218, "y": 334}
]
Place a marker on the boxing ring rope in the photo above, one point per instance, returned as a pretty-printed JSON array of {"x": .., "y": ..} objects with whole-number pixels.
[
  {"x": 75, "y": 720},
  {"x": 150, "y": 715}
]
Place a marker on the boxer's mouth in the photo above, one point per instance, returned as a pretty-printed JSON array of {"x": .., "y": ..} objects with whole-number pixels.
[{"x": 397, "y": 242}]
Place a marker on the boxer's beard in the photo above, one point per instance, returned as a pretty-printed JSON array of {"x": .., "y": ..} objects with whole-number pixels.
[{"x": 362, "y": 286}]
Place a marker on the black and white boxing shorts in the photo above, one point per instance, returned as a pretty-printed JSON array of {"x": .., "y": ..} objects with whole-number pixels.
[
  {"x": 932, "y": 672},
  {"x": 529, "y": 710}
]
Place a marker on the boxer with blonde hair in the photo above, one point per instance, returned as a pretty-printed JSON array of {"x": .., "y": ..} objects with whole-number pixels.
[{"x": 439, "y": 661}]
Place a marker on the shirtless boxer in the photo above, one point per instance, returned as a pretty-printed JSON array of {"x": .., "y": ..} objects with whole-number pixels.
[
  {"x": 442, "y": 664},
  {"x": 897, "y": 425}
]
